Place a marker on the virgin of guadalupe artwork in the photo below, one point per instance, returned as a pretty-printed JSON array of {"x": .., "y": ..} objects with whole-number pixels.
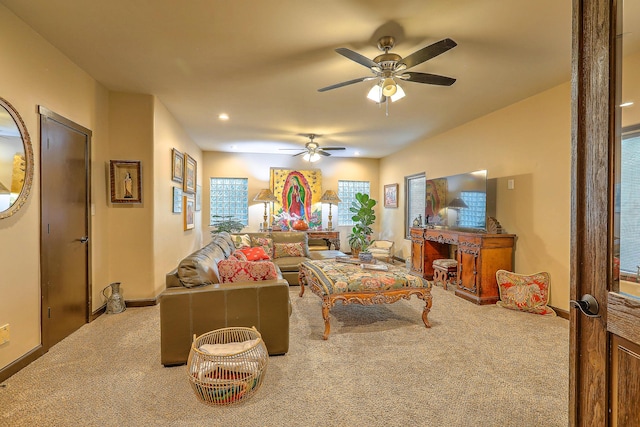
[{"x": 298, "y": 191}]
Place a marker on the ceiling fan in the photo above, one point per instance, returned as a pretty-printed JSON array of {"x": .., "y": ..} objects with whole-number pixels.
[
  {"x": 389, "y": 67},
  {"x": 313, "y": 151}
]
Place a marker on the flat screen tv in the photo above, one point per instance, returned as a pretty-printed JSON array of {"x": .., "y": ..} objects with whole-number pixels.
[{"x": 460, "y": 201}]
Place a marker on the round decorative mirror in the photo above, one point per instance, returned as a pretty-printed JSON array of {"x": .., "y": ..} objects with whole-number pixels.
[{"x": 16, "y": 160}]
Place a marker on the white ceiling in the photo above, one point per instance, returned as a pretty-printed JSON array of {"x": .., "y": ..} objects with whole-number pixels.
[{"x": 262, "y": 62}]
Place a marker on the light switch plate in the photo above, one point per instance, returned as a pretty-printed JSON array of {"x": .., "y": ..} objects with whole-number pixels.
[{"x": 4, "y": 334}]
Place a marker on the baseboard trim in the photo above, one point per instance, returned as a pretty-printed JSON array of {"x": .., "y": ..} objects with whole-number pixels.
[
  {"x": 99, "y": 312},
  {"x": 561, "y": 313},
  {"x": 141, "y": 302},
  {"x": 20, "y": 363}
]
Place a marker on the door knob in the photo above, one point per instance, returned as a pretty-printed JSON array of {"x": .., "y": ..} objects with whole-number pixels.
[
  {"x": 84, "y": 239},
  {"x": 587, "y": 305}
]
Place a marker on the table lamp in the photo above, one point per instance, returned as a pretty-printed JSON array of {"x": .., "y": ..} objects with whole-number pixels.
[
  {"x": 265, "y": 196},
  {"x": 330, "y": 197},
  {"x": 457, "y": 204}
]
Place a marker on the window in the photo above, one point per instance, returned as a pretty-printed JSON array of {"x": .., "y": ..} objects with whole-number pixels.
[
  {"x": 628, "y": 204},
  {"x": 347, "y": 193},
  {"x": 229, "y": 198},
  {"x": 474, "y": 215},
  {"x": 416, "y": 196}
]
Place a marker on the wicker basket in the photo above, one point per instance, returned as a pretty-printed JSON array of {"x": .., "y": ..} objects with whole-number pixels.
[{"x": 223, "y": 373}]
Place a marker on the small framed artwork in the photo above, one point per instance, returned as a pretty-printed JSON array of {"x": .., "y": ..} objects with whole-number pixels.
[
  {"x": 198, "y": 198},
  {"x": 190, "y": 169},
  {"x": 189, "y": 212},
  {"x": 125, "y": 178},
  {"x": 177, "y": 166},
  {"x": 177, "y": 200},
  {"x": 391, "y": 196}
]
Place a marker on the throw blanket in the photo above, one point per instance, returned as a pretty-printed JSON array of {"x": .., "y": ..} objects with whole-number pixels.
[{"x": 338, "y": 277}]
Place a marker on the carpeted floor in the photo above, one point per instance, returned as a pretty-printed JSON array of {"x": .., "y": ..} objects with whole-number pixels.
[{"x": 476, "y": 366}]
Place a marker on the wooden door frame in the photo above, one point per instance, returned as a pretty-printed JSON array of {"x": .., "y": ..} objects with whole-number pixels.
[
  {"x": 46, "y": 114},
  {"x": 593, "y": 129}
]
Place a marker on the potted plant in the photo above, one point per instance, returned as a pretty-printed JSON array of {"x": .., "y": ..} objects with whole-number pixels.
[
  {"x": 227, "y": 223},
  {"x": 364, "y": 217}
]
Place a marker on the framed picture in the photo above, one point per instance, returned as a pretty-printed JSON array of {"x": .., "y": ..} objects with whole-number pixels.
[
  {"x": 190, "y": 168},
  {"x": 198, "y": 198},
  {"x": 125, "y": 178},
  {"x": 189, "y": 212},
  {"x": 391, "y": 196},
  {"x": 177, "y": 166},
  {"x": 177, "y": 200}
]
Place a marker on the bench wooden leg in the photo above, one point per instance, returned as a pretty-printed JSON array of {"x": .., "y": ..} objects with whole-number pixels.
[{"x": 326, "y": 306}]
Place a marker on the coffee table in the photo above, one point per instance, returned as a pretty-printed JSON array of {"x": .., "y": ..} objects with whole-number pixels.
[{"x": 350, "y": 283}]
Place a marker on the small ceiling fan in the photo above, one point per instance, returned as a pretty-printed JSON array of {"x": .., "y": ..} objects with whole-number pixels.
[
  {"x": 389, "y": 67},
  {"x": 313, "y": 151}
]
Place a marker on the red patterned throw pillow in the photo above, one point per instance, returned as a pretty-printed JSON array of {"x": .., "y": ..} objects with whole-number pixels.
[
  {"x": 288, "y": 249},
  {"x": 246, "y": 271},
  {"x": 524, "y": 292},
  {"x": 240, "y": 256},
  {"x": 255, "y": 254}
]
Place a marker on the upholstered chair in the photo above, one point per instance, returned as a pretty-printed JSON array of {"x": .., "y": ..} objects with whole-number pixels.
[{"x": 382, "y": 249}]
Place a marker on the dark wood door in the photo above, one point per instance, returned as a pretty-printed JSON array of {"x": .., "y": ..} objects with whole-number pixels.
[
  {"x": 605, "y": 349},
  {"x": 65, "y": 227}
]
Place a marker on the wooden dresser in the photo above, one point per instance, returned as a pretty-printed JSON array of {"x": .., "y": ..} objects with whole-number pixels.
[{"x": 479, "y": 256}]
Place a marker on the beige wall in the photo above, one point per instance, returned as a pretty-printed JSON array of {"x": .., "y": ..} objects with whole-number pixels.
[
  {"x": 257, "y": 167},
  {"x": 528, "y": 142},
  {"x": 133, "y": 244},
  {"x": 171, "y": 242},
  {"x": 34, "y": 73}
]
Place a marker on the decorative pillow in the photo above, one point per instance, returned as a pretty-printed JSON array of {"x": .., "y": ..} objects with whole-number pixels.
[
  {"x": 255, "y": 254},
  {"x": 228, "y": 349},
  {"x": 288, "y": 249},
  {"x": 243, "y": 271},
  {"x": 241, "y": 240},
  {"x": 522, "y": 292},
  {"x": 265, "y": 242},
  {"x": 240, "y": 256}
]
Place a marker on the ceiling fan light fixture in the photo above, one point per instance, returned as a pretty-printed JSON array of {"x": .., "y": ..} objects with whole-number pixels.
[
  {"x": 314, "y": 157},
  {"x": 398, "y": 95},
  {"x": 375, "y": 94},
  {"x": 389, "y": 87}
]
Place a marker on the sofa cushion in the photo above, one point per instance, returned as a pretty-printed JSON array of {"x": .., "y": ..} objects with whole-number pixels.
[
  {"x": 255, "y": 254},
  {"x": 281, "y": 250},
  {"x": 289, "y": 263},
  {"x": 201, "y": 267},
  {"x": 224, "y": 241},
  {"x": 243, "y": 271},
  {"x": 292, "y": 237}
]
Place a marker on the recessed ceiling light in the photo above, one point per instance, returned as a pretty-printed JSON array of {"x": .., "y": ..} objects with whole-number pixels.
[
  {"x": 233, "y": 147},
  {"x": 357, "y": 153},
  {"x": 223, "y": 116},
  {"x": 627, "y": 104}
]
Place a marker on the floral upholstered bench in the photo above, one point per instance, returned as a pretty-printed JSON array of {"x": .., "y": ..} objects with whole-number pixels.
[{"x": 350, "y": 283}]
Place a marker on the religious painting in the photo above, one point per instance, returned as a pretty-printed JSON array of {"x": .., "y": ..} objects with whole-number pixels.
[
  {"x": 299, "y": 193},
  {"x": 435, "y": 203},
  {"x": 391, "y": 196},
  {"x": 125, "y": 179}
]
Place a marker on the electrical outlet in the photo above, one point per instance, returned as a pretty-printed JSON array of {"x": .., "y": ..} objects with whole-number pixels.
[
  {"x": 510, "y": 184},
  {"x": 4, "y": 334}
]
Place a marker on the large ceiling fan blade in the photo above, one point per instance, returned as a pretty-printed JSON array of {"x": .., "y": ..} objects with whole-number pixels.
[
  {"x": 333, "y": 148},
  {"x": 322, "y": 152},
  {"x": 431, "y": 79},
  {"x": 355, "y": 56},
  {"x": 300, "y": 153},
  {"x": 350, "y": 82},
  {"x": 428, "y": 52}
]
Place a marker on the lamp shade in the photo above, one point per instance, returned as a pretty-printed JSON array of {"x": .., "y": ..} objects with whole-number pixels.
[
  {"x": 457, "y": 203},
  {"x": 265, "y": 195},
  {"x": 330, "y": 196},
  {"x": 388, "y": 87}
]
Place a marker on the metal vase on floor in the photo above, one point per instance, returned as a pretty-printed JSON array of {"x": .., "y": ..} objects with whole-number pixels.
[{"x": 115, "y": 302}]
